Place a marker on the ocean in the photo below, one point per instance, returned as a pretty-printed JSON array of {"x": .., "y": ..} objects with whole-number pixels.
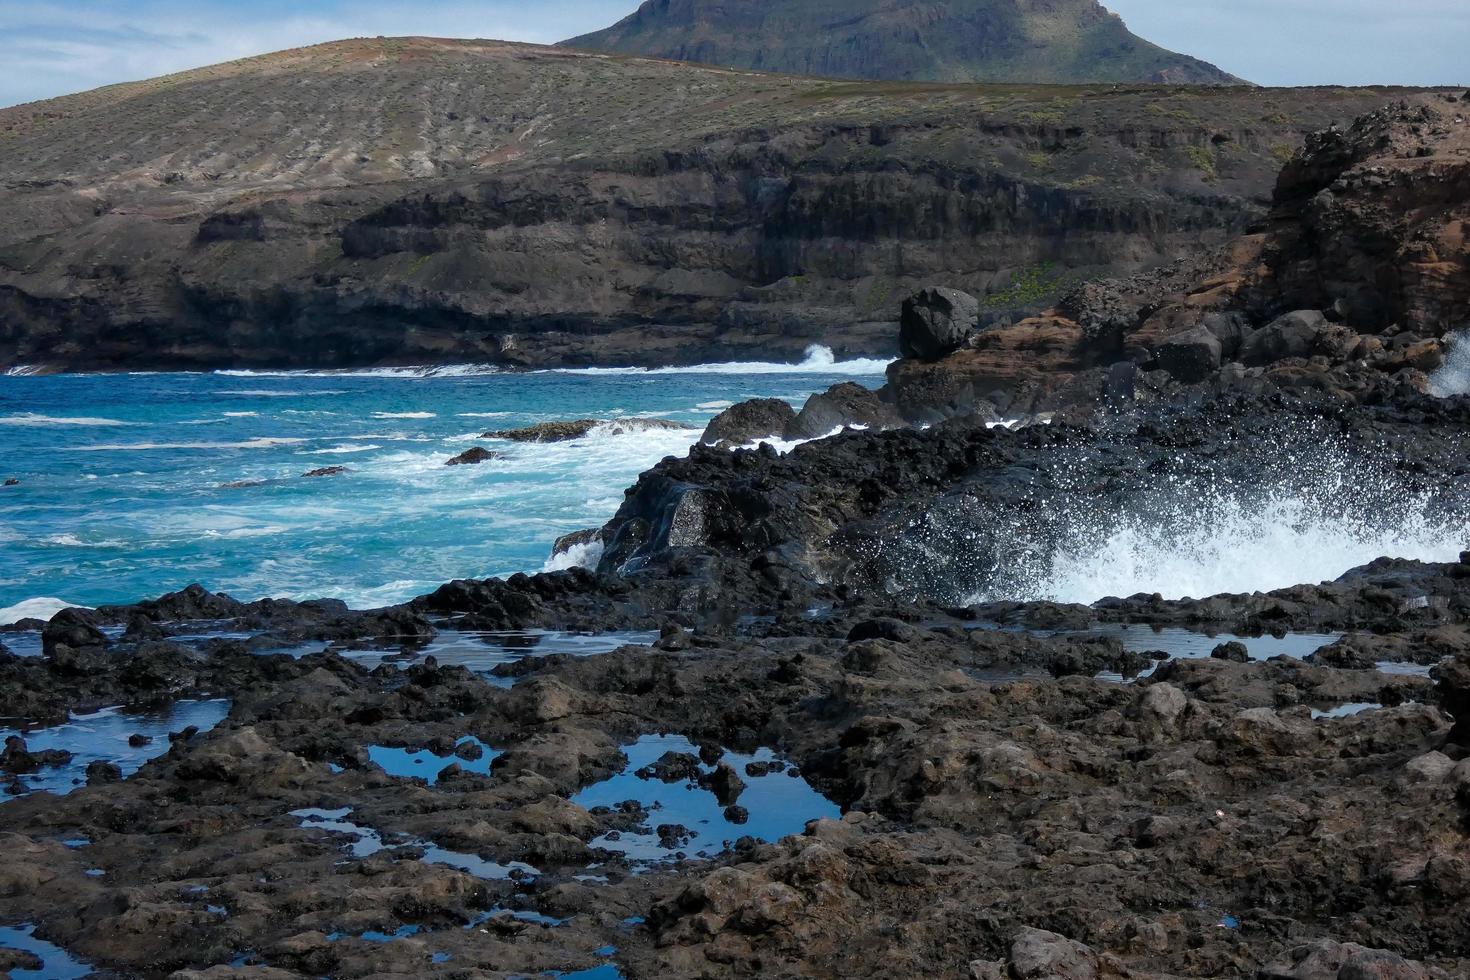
[{"x": 132, "y": 485}]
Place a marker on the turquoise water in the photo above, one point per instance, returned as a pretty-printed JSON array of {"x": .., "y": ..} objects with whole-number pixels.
[{"x": 122, "y": 493}]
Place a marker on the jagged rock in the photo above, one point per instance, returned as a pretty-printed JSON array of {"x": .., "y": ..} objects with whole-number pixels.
[
  {"x": 725, "y": 783},
  {"x": 12, "y": 482},
  {"x": 473, "y": 455},
  {"x": 1234, "y": 651},
  {"x": 100, "y": 773},
  {"x": 1290, "y": 335},
  {"x": 74, "y": 628},
  {"x": 845, "y": 404},
  {"x": 1191, "y": 356},
  {"x": 580, "y": 428},
  {"x": 1040, "y": 955},
  {"x": 1329, "y": 960},
  {"x": 327, "y": 471},
  {"x": 1452, "y": 684},
  {"x": 749, "y": 421},
  {"x": 935, "y": 322}
]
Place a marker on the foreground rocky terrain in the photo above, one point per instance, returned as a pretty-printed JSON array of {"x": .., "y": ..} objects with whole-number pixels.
[
  {"x": 430, "y": 201},
  {"x": 848, "y": 717}
]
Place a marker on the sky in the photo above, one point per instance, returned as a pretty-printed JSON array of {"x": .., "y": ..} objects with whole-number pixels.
[{"x": 50, "y": 48}]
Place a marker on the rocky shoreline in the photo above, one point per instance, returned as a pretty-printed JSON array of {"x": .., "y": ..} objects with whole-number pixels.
[{"x": 824, "y": 726}]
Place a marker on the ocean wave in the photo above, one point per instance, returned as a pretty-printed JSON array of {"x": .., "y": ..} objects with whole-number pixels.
[
  {"x": 818, "y": 360},
  {"x": 42, "y": 607},
  {"x": 22, "y": 371},
  {"x": 289, "y": 393},
  {"x": 407, "y": 373},
  {"x": 1453, "y": 377},
  {"x": 585, "y": 555},
  {"x": 338, "y": 450},
  {"x": 238, "y": 533},
  {"x": 404, "y": 415},
  {"x": 31, "y": 419},
  {"x": 72, "y": 541},
  {"x": 261, "y": 443},
  {"x": 483, "y": 415}
]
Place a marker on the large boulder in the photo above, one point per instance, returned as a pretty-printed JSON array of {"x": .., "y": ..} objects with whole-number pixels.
[
  {"x": 935, "y": 322},
  {"x": 749, "y": 421},
  {"x": 75, "y": 628},
  {"x": 1190, "y": 356},
  {"x": 1292, "y": 335},
  {"x": 1453, "y": 687},
  {"x": 840, "y": 406},
  {"x": 1329, "y": 960}
]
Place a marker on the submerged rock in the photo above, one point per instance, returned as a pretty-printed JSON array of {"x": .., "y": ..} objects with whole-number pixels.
[
  {"x": 474, "y": 455},
  {"x": 327, "y": 471},
  {"x": 580, "y": 428}
]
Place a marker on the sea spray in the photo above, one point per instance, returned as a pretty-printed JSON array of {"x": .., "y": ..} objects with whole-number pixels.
[
  {"x": 1453, "y": 376},
  {"x": 1308, "y": 510}
]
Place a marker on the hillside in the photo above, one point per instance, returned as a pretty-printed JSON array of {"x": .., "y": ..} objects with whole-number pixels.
[
  {"x": 418, "y": 200},
  {"x": 1053, "y": 41}
]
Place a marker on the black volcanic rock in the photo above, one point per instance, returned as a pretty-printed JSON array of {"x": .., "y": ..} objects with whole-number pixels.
[
  {"x": 935, "y": 322},
  {"x": 749, "y": 421},
  {"x": 958, "y": 41}
]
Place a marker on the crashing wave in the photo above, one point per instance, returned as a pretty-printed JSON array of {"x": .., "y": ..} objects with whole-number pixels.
[
  {"x": 818, "y": 360},
  {"x": 1453, "y": 376},
  {"x": 1317, "y": 509}
]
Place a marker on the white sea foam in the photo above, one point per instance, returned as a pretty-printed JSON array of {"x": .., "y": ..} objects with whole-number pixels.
[
  {"x": 818, "y": 360},
  {"x": 403, "y": 415},
  {"x": 408, "y": 373},
  {"x": 1282, "y": 541},
  {"x": 1453, "y": 377},
  {"x": 338, "y": 450},
  {"x": 32, "y": 420},
  {"x": 72, "y": 541},
  {"x": 22, "y": 371},
  {"x": 239, "y": 533},
  {"x": 585, "y": 555},
  {"x": 1308, "y": 516},
  {"x": 268, "y": 393},
  {"x": 240, "y": 415},
  {"x": 714, "y": 406},
  {"x": 42, "y": 608},
  {"x": 261, "y": 443},
  {"x": 483, "y": 415}
]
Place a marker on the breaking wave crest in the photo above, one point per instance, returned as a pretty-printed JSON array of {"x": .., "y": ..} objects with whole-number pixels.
[
  {"x": 818, "y": 360},
  {"x": 1453, "y": 377},
  {"x": 1249, "y": 523}
]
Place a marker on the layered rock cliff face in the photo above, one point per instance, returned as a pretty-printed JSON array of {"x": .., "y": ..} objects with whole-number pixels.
[
  {"x": 955, "y": 41},
  {"x": 416, "y": 201},
  {"x": 1362, "y": 270}
]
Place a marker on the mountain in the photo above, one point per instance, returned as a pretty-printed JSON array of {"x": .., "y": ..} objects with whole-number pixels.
[
  {"x": 1058, "y": 41},
  {"x": 412, "y": 200}
]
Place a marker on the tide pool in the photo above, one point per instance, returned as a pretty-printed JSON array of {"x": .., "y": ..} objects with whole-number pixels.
[{"x": 133, "y": 485}]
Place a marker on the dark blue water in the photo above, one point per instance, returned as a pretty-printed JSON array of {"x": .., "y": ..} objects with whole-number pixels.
[
  {"x": 56, "y": 963},
  {"x": 122, "y": 490}
]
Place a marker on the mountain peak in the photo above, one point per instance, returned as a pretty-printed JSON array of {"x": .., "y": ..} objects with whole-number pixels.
[{"x": 1039, "y": 41}]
